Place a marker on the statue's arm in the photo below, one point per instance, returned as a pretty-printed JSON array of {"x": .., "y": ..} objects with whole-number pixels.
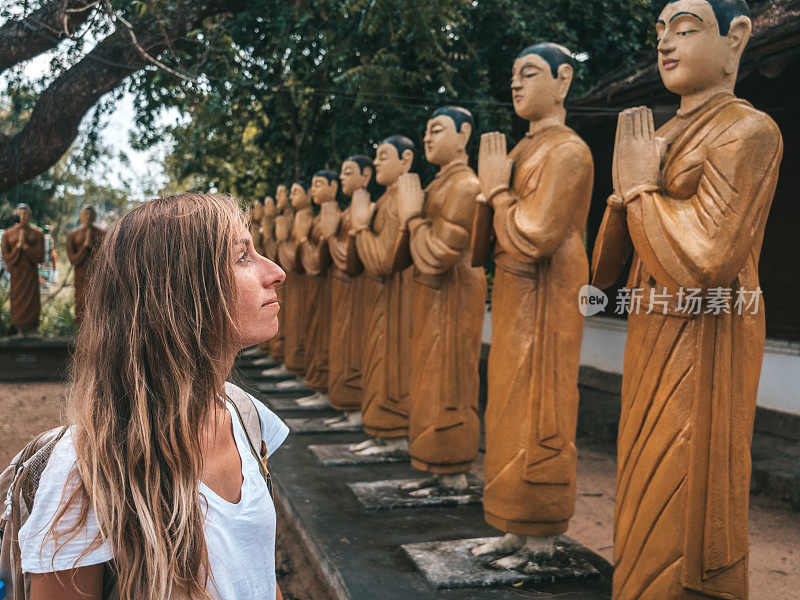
[
  {"x": 704, "y": 241},
  {"x": 534, "y": 226},
  {"x": 10, "y": 253},
  {"x": 76, "y": 255},
  {"x": 385, "y": 252},
  {"x": 35, "y": 252},
  {"x": 315, "y": 254},
  {"x": 611, "y": 248},
  {"x": 353, "y": 264},
  {"x": 437, "y": 245}
]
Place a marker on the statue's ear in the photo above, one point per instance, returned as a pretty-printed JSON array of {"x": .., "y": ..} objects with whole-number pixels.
[
  {"x": 407, "y": 159},
  {"x": 564, "y": 76},
  {"x": 738, "y": 35},
  {"x": 368, "y": 172},
  {"x": 465, "y": 133}
]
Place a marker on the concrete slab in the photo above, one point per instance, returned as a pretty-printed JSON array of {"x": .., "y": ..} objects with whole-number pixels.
[
  {"x": 376, "y": 495},
  {"x": 450, "y": 564},
  {"x": 317, "y": 425},
  {"x": 339, "y": 455},
  {"x": 284, "y": 404},
  {"x": 283, "y": 386}
]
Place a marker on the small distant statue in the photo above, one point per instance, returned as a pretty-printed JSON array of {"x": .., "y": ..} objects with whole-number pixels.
[
  {"x": 82, "y": 244},
  {"x": 22, "y": 250}
]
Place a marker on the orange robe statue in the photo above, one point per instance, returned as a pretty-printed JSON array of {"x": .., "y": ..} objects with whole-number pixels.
[
  {"x": 80, "y": 255},
  {"x": 294, "y": 316},
  {"x": 23, "y": 266}
]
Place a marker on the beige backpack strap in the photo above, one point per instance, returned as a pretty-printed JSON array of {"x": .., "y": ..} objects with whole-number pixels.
[{"x": 246, "y": 410}]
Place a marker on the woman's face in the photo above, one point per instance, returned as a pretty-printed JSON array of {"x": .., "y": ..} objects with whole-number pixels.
[{"x": 256, "y": 312}]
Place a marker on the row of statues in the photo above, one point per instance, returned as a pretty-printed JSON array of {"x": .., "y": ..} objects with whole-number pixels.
[
  {"x": 384, "y": 306},
  {"x": 23, "y": 250}
]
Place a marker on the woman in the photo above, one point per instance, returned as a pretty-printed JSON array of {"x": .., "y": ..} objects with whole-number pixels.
[{"x": 154, "y": 483}]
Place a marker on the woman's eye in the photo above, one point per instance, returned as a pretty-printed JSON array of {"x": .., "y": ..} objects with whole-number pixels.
[{"x": 244, "y": 257}]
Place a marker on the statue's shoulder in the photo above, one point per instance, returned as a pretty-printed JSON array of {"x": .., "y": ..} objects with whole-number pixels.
[
  {"x": 37, "y": 230},
  {"x": 570, "y": 142},
  {"x": 750, "y": 122},
  {"x": 73, "y": 232}
]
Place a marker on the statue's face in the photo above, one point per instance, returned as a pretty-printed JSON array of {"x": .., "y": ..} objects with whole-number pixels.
[
  {"x": 24, "y": 215},
  {"x": 258, "y": 210},
  {"x": 691, "y": 51},
  {"x": 352, "y": 178},
  {"x": 86, "y": 217},
  {"x": 298, "y": 197},
  {"x": 443, "y": 144},
  {"x": 534, "y": 90},
  {"x": 389, "y": 166},
  {"x": 322, "y": 190},
  {"x": 282, "y": 197}
]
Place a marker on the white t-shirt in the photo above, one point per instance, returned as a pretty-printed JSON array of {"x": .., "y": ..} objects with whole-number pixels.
[{"x": 240, "y": 537}]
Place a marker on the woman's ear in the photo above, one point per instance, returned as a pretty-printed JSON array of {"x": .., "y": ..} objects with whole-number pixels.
[{"x": 738, "y": 35}]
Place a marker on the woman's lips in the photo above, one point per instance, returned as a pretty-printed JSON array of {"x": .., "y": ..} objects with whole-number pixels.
[
  {"x": 271, "y": 302},
  {"x": 669, "y": 64}
]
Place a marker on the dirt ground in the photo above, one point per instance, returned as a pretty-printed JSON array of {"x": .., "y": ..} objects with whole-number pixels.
[{"x": 27, "y": 409}]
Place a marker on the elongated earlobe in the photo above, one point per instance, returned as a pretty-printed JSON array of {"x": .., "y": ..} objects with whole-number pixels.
[
  {"x": 737, "y": 38},
  {"x": 565, "y": 75}
]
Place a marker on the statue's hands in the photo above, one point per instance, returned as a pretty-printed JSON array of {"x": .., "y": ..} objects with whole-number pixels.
[
  {"x": 361, "y": 210},
  {"x": 283, "y": 225},
  {"x": 494, "y": 166},
  {"x": 269, "y": 210},
  {"x": 87, "y": 240},
  {"x": 303, "y": 222},
  {"x": 329, "y": 219},
  {"x": 21, "y": 239},
  {"x": 258, "y": 211},
  {"x": 637, "y": 155},
  {"x": 410, "y": 197}
]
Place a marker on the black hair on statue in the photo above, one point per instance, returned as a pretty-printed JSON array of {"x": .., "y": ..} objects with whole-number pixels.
[
  {"x": 24, "y": 206},
  {"x": 554, "y": 55},
  {"x": 89, "y": 207},
  {"x": 725, "y": 11},
  {"x": 460, "y": 115},
  {"x": 362, "y": 160},
  {"x": 331, "y": 176},
  {"x": 303, "y": 184},
  {"x": 401, "y": 144}
]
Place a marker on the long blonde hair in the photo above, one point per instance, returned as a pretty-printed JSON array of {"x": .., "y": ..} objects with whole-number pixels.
[{"x": 150, "y": 363}]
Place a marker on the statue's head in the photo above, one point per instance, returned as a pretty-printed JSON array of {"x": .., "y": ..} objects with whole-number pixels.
[
  {"x": 393, "y": 158},
  {"x": 298, "y": 194},
  {"x": 356, "y": 173},
  {"x": 24, "y": 212},
  {"x": 447, "y": 134},
  {"x": 540, "y": 80},
  {"x": 88, "y": 215},
  {"x": 282, "y": 197},
  {"x": 324, "y": 186},
  {"x": 700, "y": 43}
]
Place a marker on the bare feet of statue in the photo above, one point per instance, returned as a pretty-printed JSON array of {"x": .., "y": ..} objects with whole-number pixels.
[
  {"x": 443, "y": 484},
  {"x": 382, "y": 447},
  {"x": 508, "y": 544},
  {"x": 278, "y": 371},
  {"x": 535, "y": 548},
  {"x": 290, "y": 383},
  {"x": 363, "y": 445},
  {"x": 314, "y": 400},
  {"x": 347, "y": 419}
]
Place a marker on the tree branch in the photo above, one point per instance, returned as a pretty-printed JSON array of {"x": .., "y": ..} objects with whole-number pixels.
[
  {"x": 54, "y": 121},
  {"x": 41, "y": 30}
]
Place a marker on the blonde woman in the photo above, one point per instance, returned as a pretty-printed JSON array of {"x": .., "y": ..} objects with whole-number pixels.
[{"x": 154, "y": 488}]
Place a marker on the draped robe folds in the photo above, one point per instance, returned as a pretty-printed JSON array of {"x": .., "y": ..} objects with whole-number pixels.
[
  {"x": 347, "y": 314},
  {"x": 449, "y": 298},
  {"x": 80, "y": 258},
  {"x": 269, "y": 248},
  {"x": 316, "y": 260},
  {"x": 294, "y": 314},
  {"x": 387, "y": 333},
  {"x": 690, "y": 381},
  {"x": 23, "y": 266},
  {"x": 531, "y": 414}
]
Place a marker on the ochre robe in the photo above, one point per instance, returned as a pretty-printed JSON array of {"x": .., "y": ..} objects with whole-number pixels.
[
  {"x": 23, "y": 266},
  {"x": 532, "y": 406},
  {"x": 387, "y": 326},
  {"x": 269, "y": 248},
  {"x": 690, "y": 381},
  {"x": 80, "y": 258},
  {"x": 316, "y": 260},
  {"x": 293, "y": 308},
  {"x": 347, "y": 319},
  {"x": 449, "y": 303}
]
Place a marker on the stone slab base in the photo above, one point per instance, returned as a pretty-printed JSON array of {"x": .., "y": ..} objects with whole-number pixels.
[
  {"x": 376, "y": 495},
  {"x": 339, "y": 455},
  {"x": 317, "y": 425}
]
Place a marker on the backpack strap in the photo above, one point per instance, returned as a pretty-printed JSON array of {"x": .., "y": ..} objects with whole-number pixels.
[{"x": 246, "y": 411}]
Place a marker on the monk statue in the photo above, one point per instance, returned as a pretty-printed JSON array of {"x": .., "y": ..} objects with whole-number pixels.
[
  {"x": 82, "y": 244},
  {"x": 256, "y": 212},
  {"x": 692, "y": 201},
  {"x": 539, "y": 220},
  {"x": 316, "y": 260},
  {"x": 269, "y": 243},
  {"x": 382, "y": 243},
  {"x": 22, "y": 248},
  {"x": 347, "y": 311},
  {"x": 293, "y": 311},
  {"x": 449, "y": 301}
]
